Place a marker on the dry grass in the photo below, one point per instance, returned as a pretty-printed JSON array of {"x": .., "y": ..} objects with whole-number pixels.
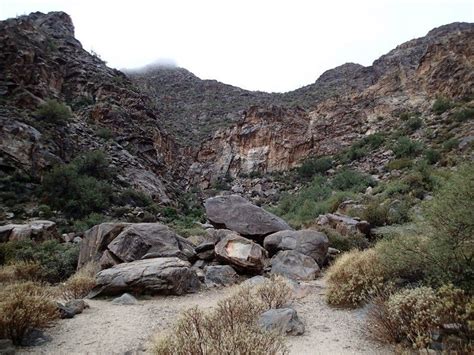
[
  {"x": 232, "y": 327},
  {"x": 25, "y": 306},
  {"x": 412, "y": 315},
  {"x": 354, "y": 277},
  {"x": 80, "y": 284},
  {"x": 20, "y": 271}
]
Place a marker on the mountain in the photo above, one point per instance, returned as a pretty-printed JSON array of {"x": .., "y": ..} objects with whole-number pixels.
[{"x": 166, "y": 131}]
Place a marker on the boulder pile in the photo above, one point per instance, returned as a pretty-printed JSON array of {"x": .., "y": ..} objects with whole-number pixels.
[{"x": 241, "y": 240}]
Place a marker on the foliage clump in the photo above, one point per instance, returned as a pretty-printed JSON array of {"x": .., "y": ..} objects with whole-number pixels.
[{"x": 54, "y": 112}]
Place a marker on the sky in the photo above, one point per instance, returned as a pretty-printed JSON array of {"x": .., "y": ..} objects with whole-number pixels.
[{"x": 267, "y": 45}]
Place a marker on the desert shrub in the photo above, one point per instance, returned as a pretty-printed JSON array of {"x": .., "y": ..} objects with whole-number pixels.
[
  {"x": 414, "y": 314},
  {"x": 94, "y": 164},
  {"x": 54, "y": 112},
  {"x": 396, "y": 187},
  {"x": 230, "y": 329},
  {"x": 312, "y": 166},
  {"x": 274, "y": 292},
  {"x": 463, "y": 114},
  {"x": 450, "y": 216},
  {"x": 104, "y": 133},
  {"x": 23, "y": 307},
  {"x": 399, "y": 164},
  {"x": 432, "y": 156},
  {"x": 406, "y": 148},
  {"x": 352, "y": 180},
  {"x": 441, "y": 105},
  {"x": 375, "y": 213},
  {"x": 345, "y": 242},
  {"x": 354, "y": 277},
  {"x": 57, "y": 260},
  {"x": 81, "y": 283},
  {"x": 413, "y": 124},
  {"x": 20, "y": 271},
  {"x": 81, "y": 225},
  {"x": 362, "y": 147},
  {"x": 63, "y": 188},
  {"x": 133, "y": 198},
  {"x": 337, "y": 197},
  {"x": 451, "y": 144}
]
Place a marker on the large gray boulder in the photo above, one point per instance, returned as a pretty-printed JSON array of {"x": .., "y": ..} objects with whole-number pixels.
[
  {"x": 114, "y": 243},
  {"x": 149, "y": 240},
  {"x": 308, "y": 242},
  {"x": 150, "y": 276},
  {"x": 284, "y": 321},
  {"x": 294, "y": 265},
  {"x": 239, "y": 215},
  {"x": 96, "y": 239},
  {"x": 38, "y": 230},
  {"x": 242, "y": 253},
  {"x": 220, "y": 275}
]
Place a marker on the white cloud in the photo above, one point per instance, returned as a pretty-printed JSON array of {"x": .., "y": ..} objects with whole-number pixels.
[{"x": 259, "y": 44}]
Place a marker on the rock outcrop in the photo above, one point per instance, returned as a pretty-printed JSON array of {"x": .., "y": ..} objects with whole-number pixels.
[
  {"x": 308, "y": 242},
  {"x": 150, "y": 276},
  {"x": 37, "y": 230},
  {"x": 345, "y": 225},
  {"x": 239, "y": 215},
  {"x": 242, "y": 253},
  {"x": 294, "y": 265}
]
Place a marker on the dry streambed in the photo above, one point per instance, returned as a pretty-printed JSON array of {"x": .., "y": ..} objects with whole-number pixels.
[{"x": 106, "y": 328}]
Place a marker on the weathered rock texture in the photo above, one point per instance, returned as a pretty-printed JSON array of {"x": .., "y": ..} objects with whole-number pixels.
[
  {"x": 35, "y": 230},
  {"x": 239, "y": 215},
  {"x": 242, "y": 253},
  {"x": 150, "y": 276},
  {"x": 294, "y": 265},
  {"x": 284, "y": 321},
  {"x": 308, "y": 242}
]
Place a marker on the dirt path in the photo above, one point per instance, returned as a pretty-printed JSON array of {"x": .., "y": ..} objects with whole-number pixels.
[{"x": 106, "y": 328}]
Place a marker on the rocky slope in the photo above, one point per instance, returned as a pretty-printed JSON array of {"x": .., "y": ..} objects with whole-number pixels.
[
  {"x": 215, "y": 130},
  {"x": 41, "y": 60}
]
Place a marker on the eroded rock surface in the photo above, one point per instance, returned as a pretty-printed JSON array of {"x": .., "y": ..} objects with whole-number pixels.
[{"x": 294, "y": 265}]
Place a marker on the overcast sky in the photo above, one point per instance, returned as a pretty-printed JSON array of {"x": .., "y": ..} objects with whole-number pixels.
[{"x": 255, "y": 44}]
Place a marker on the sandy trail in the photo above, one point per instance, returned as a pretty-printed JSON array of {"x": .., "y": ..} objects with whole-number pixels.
[{"x": 106, "y": 328}]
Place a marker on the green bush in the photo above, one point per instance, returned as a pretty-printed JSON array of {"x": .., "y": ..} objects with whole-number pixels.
[
  {"x": 463, "y": 114},
  {"x": 451, "y": 144},
  {"x": 352, "y": 180},
  {"x": 413, "y": 124},
  {"x": 58, "y": 261},
  {"x": 54, "y": 112},
  {"x": 395, "y": 188},
  {"x": 441, "y": 105},
  {"x": 311, "y": 167},
  {"x": 104, "y": 133},
  {"x": 399, "y": 164},
  {"x": 405, "y": 148},
  {"x": 88, "y": 222},
  {"x": 375, "y": 213},
  {"x": 94, "y": 164},
  {"x": 345, "y": 242},
  {"x": 432, "y": 156},
  {"x": 133, "y": 198}
]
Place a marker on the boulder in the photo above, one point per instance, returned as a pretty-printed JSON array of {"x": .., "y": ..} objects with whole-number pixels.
[
  {"x": 308, "y": 242},
  {"x": 345, "y": 225},
  {"x": 242, "y": 253},
  {"x": 239, "y": 215},
  {"x": 125, "y": 300},
  {"x": 39, "y": 230},
  {"x": 205, "y": 251},
  {"x": 220, "y": 275},
  {"x": 96, "y": 239},
  {"x": 284, "y": 321},
  {"x": 169, "y": 275},
  {"x": 149, "y": 240},
  {"x": 294, "y": 265},
  {"x": 77, "y": 305},
  {"x": 114, "y": 243}
]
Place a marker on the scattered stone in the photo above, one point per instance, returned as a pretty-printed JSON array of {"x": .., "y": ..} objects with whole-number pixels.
[
  {"x": 150, "y": 276},
  {"x": 220, "y": 275},
  {"x": 77, "y": 306},
  {"x": 125, "y": 300},
  {"x": 6, "y": 347},
  {"x": 344, "y": 224},
  {"x": 294, "y": 265},
  {"x": 308, "y": 242},
  {"x": 65, "y": 312},
  {"x": 255, "y": 281},
  {"x": 285, "y": 321},
  {"x": 242, "y": 253},
  {"x": 239, "y": 215}
]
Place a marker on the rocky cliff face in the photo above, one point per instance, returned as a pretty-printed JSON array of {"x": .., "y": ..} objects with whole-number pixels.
[
  {"x": 41, "y": 60},
  {"x": 215, "y": 130},
  {"x": 367, "y": 100}
]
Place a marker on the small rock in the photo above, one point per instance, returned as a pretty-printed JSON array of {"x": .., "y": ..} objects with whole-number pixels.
[
  {"x": 220, "y": 275},
  {"x": 6, "y": 347},
  {"x": 285, "y": 321},
  {"x": 77, "y": 306},
  {"x": 65, "y": 312},
  {"x": 125, "y": 299}
]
